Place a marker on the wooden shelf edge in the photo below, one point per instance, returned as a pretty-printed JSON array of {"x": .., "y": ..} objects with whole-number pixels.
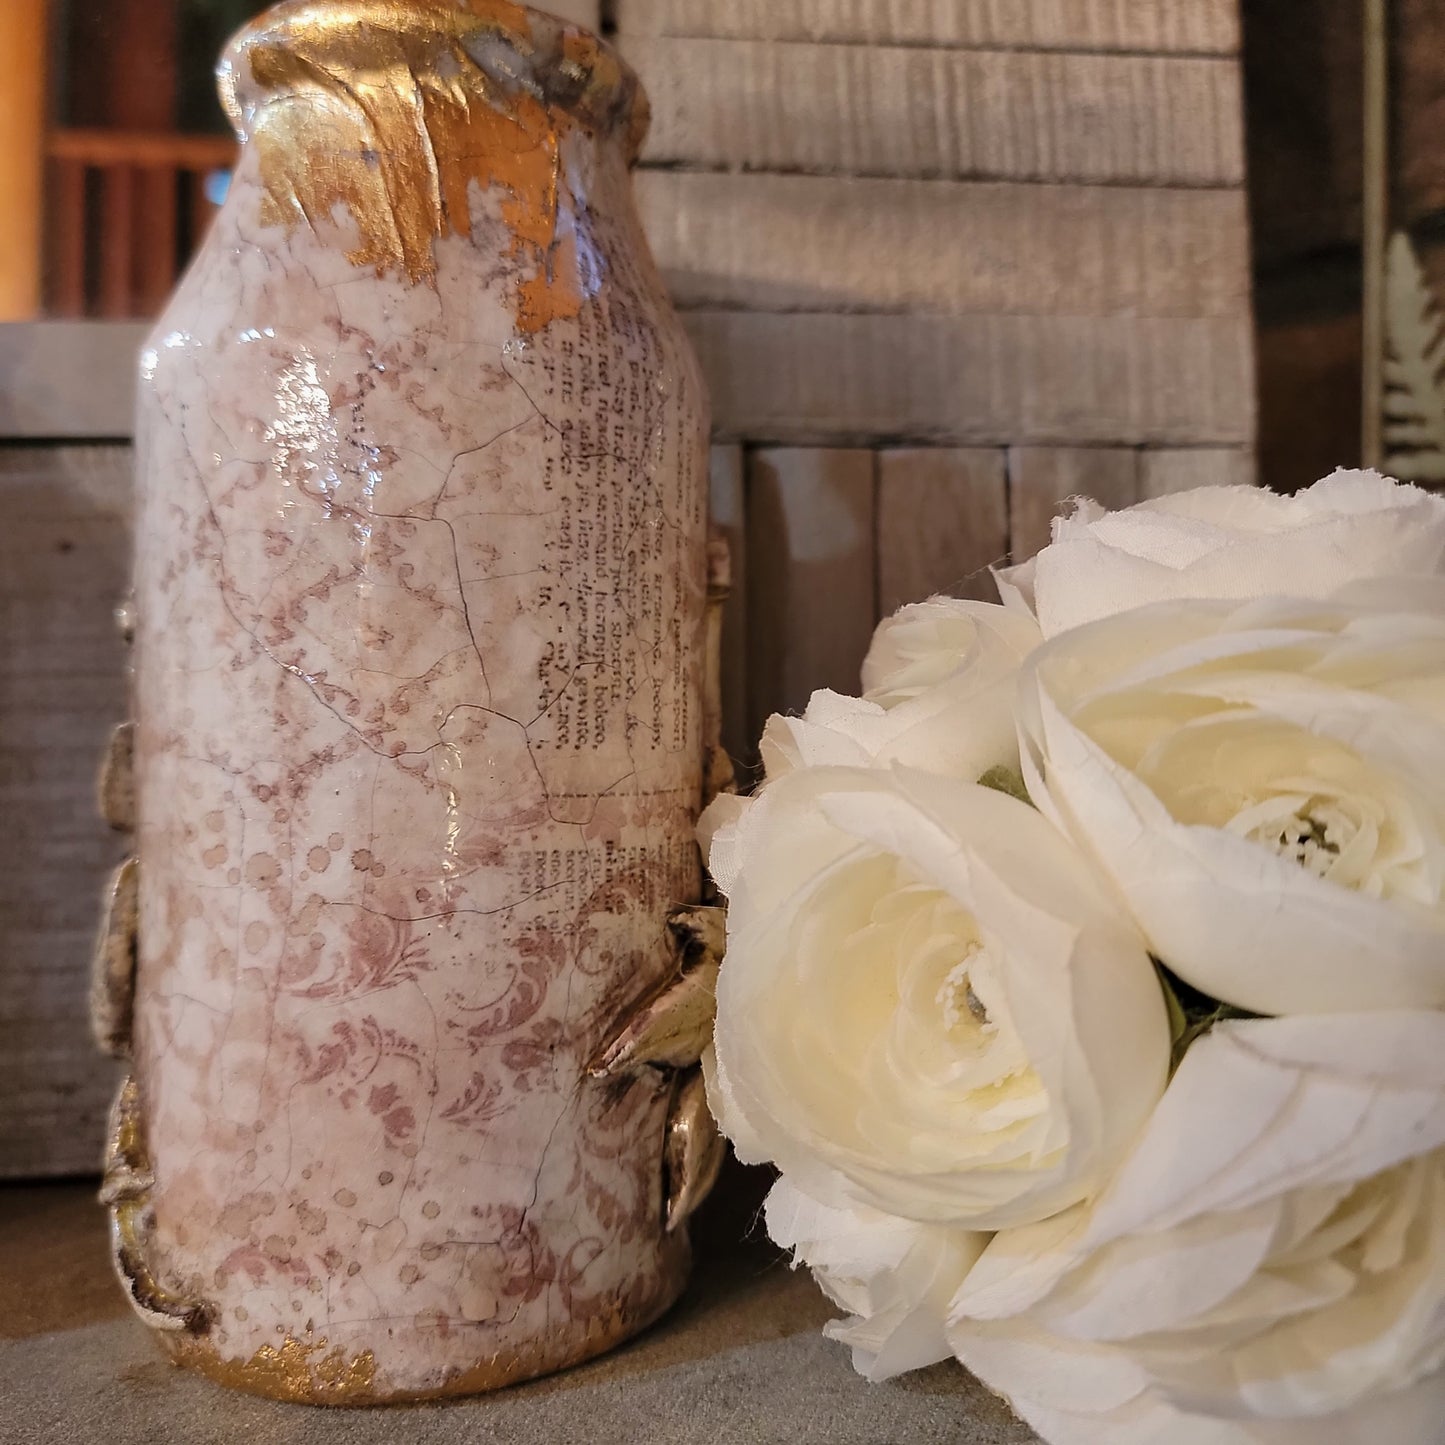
[{"x": 68, "y": 380}]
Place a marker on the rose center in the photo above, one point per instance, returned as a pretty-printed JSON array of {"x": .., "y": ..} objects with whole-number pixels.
[
  {"x": 1311, "y": 831},
  {"x": 1312, "y": 841},
  {"x": 956, "y": 997}
]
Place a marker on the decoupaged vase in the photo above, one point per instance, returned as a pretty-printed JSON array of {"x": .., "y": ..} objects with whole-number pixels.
[{"x": 420, "y": 606}]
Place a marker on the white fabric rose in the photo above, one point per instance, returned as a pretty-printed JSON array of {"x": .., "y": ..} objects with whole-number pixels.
[
  {"x": 895, "y": 1278},
  {"x": 1268, "y": 1267},
  {"x": 939, "y": 685},
  {"x": 927, "y": 1006},
  {"x": 926, "y": 643},
  {"x": 1228, "y": 542},
  {"x": 1263, "y": 784}
]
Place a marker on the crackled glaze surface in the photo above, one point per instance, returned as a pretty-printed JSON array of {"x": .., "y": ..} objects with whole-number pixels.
[{"x": 419, "y": 599}]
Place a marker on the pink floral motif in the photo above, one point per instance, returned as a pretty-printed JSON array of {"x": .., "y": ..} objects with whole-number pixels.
[
  {"x": 355, "y": 1050},
  {"x": 380, "y": 951},
  {"x": 398, "y": 1119},
  {"x": 482, "y": 1101},
  {"x": 536, "y": 1053},
  {"x": 540, "y": 956}
]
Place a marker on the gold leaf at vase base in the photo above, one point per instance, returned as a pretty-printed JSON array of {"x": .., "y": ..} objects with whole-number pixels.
[
  {"x": 294, "y": 1371},
  {"x": 308, "y": 1372},
  {"x": 392, "y": 109}
]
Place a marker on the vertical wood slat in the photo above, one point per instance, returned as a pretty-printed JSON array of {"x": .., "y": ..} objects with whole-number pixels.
[
  {"x": 1179, "y": 470},
  {"x": 729, "y": 516},
  {"x": 66, "y": 282},
  {"x": 811, "y": 565},
  {"x": 1042, "y": 479},
  {"x": 117, "y": 242},
  {"x": 942, "y": 523},
  {"x": 155, "y": 237},
  {"x": 64, "y": 554},
  {"x": 586, "y": 13}
]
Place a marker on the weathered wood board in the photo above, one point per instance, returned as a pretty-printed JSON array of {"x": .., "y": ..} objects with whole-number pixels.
[
  {"x": 1042, "y": 480},
  {"x": 905, "y": 111},
  {"x": 64, "y": 558},
  {"x": 72, "y": 379},
  {"x": 942, "y": 523},
  {"x": 579, "y": 12},
  {"x": 1162, "y": 472},
  {"x": 816, "y": 243},
  {"x": 812, "y": 574},
  {"x": 1189, "y": 26},
  {"x": 811, "y": 379}
]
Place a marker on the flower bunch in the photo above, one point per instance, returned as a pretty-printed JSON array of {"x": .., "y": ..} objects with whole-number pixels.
[{"x": 1085, "y": 977}]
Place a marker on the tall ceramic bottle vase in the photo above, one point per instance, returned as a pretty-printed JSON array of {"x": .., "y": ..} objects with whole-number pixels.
[{"x": 420, "y": 596}]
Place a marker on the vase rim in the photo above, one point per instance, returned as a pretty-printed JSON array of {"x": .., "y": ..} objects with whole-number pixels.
[{"x": 564, "y": 66}]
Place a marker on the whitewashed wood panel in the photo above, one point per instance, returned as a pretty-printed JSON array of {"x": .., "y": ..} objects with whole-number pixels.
[
  {"x": 1210, "y": 26},
  {"x": 816, "y": 379},
  {"x": 580, "y": 12},
  {"x": 64, "y": 560},
  {"x": 811, "y": 575},
  {"x": 1162, "y": 472},
  {"x": 1043, "y": 479},
  {"x": 942, "y": 523},
  {"x": 896, "y": 111},
  {"x": 816, "y": 243},
  {"x": 68, "y": 379}
]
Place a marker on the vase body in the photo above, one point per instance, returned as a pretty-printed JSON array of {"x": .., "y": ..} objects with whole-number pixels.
[{"x": 418, "y": 747}]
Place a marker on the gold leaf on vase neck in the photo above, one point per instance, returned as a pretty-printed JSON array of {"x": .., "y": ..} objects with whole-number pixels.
[{"x": 391, "y": 109}]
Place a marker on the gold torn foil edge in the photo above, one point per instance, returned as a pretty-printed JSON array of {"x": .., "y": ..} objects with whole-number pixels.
[
  {"x": 116, "y": 787},
  {"x": 112, "y": 968},
  {"x": 672, "y": 1026},
  {"x": 670, "y": 1029},
  {"x": 392, "y": 108},
  {"x": 125, "y": 1191},
  {"x": 695, "y": 1150}
]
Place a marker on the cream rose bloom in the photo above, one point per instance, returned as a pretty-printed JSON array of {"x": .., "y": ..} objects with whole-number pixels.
[
  {"x": 928, "y": 1006},
  {"x": 939, "y": 685},
  {"x": 895, "y": 1278},
  {"x": 1228, "y": 542},
  {"x": 1263, "y": 784},
  {"x": 1268, "y": 1267}
]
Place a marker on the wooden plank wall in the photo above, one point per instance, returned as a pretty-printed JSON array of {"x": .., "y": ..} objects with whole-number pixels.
[
  {"x": 947, "y": 264},
  {"x": 64, "y": 556}
]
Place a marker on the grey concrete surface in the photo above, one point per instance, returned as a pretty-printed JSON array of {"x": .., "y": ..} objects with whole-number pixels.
[{"x": 740, "y": 1361}]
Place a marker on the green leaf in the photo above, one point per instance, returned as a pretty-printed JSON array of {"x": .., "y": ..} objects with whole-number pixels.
[
  {"x": 1178, "y": 1019},
  {"x": 1191, "y": 1013},
  {"x": 1006, "y": 780}
]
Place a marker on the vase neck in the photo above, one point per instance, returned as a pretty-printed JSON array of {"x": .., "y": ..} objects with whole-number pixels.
[{"x": 393, "y": 109}]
